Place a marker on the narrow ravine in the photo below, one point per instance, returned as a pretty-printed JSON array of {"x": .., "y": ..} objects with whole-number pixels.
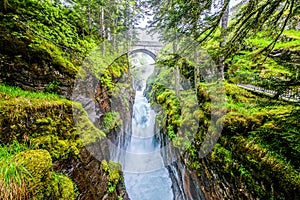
[
  {"x": 153, "y": 168},
  {"x": 145, "y": 174}
]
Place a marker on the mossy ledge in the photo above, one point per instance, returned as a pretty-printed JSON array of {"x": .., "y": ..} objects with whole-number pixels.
[{"x": 48, "y": 142}]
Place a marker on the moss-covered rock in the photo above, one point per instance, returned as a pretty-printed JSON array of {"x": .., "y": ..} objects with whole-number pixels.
[
  {"x": 46, "y": 121},
  {"x": 258, "y": 146},
  {"x": 61, "y": 187},
  {"x": 251, "y": 154},
  {"x": 29, "y": 176},
  {"x": 43, "y": 52},
  {"x": 114, "y": 173},
  {"x": 38, "y": 163}
]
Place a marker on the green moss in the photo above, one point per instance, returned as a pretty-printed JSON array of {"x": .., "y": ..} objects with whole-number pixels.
[
  {"x": 54, "y": 54},
  {"x": 256, "y": 146},
  {"x": 38, "y": 163},
  {"x": 51, "y": 36},
  {"x": 167, "y": 99},
  {"x": 30, "y": 176},
  {"x": 85, "y": 129},
  {"x": 58, "y": 148},
  {"x": 53, "y": 87},
  {"x": 113, "y": 170},
  {"x": 259, "y": 143},
  {"x": 272, "y": 70},
  {"x": 104, "y": 166},
  {"x": 45, "y": 120},
  {"x": 61, "y": 187},
  {"x": 109, "y": 68},
  {"x": 111, "y": 121}
]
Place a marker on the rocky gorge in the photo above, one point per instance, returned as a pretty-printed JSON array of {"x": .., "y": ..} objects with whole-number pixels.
[{"x": 83, "y": 118}]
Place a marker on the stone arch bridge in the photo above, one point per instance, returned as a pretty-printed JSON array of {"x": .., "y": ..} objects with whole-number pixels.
[{"x": 147, "y": 43}]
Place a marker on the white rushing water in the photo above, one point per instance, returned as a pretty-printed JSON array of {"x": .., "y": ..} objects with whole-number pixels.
[{"x": 146, "y": 178}]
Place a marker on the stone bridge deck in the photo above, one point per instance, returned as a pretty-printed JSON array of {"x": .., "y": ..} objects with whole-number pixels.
[{"x": 146, "y": 43}]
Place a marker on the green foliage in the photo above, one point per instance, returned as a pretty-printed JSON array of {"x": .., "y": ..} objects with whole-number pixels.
[
  {"x": 58, "y": 148},
  {"x": 171, "y": 105},
  {"x": 38, "y": 164},
  {"x": 280, "y": 133},
  {"x": 50, "y": 35},
  {"x": 260, "y": 139},
  {"x": 113, "y": 72},
  {"x": 11, "y": 180},
  {"x": 225, "y": 156},
  {"x": 61, "y": 187},
  {"x": 111, "y": 121},
  {"x": 109, "y": 68},
  {"x": 14, "y": 148},
  {"x": 113, "y": 170},
  {"x": 259, "y": 144},
  {"x": 53, "y": 53},
  {"x": 276, "y": 70},
  {"x": 52, "y": 39},
  {"x": 10, "y": 92},
  {"x": 261, "y": 42},
  {"x": 26, "y": 174},
  {"x": 179, "y": 113},
  {"x": 11, "y": 175},
  {"x": 87, "y": 131},
  {"x": 104, "y": 166},
  {"x": 272, "y": 125}
]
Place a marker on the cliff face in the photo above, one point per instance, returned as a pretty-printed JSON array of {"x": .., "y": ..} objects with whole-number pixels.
[
  {"x": 110, "y": 110},
  {"x": 247, "y": 162},
  {"x": 42, "y": 52},
  {"x": 35, "y": 75},
  {"x": 46, "y": 122},
  {"x": 185, "y": 183},
  {"x": 71, "y": 136},
  {"x": 32, "y": 65},
  {"x": 250, "y": 158}
]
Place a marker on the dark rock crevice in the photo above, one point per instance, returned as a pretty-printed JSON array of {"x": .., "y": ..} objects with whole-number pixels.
[{"x": 90, "y": 178}]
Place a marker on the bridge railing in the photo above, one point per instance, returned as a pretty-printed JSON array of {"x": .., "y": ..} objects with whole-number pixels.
[{"x": 289, "y": 95}]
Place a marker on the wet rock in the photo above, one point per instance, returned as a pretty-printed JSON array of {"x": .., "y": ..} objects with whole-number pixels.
[{"x": 90, "y": 178}]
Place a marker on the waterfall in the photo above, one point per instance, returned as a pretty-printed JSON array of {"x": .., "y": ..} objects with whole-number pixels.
[
  {"x": 144, "y": 171},
  {"x": 152, "y": 167},
  {"x": 145, "y": 174}
]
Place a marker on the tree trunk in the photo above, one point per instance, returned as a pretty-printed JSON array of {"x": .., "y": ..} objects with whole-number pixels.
[
  {"x": 196, "y": 68},
  {"x": 224, "y": 24},
  {"x": 102, "y": 32},
  {"x": 5, "y": 3},
  {"x": 176, "y": 71}
]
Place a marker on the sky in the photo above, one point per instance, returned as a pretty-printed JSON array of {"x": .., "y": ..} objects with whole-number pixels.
[{"x": 143, "y": 23}]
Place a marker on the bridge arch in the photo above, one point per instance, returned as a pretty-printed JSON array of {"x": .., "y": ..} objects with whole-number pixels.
[{"x": 145, "y": 51}]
